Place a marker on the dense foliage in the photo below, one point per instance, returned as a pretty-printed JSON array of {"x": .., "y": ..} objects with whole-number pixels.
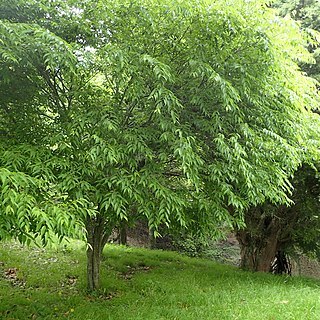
[
  {"x": 307, "y": 14},
  {"x": 273, "y": 230},
  {"x": 182, "y": 112}
]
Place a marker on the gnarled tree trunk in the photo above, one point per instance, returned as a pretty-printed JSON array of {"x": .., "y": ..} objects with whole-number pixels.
[
  {"x": 257, "y": 255},
  {"x": 264, "y": 240},
  {"x": 97, "y": 236},
  {"x": 259, "y": 241}
]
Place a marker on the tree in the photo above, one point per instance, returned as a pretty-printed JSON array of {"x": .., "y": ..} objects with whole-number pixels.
[
  {"x": 183, "y": 113},
  {"x": 272, "y": 229},
  {"x": 307, "y": 14}
]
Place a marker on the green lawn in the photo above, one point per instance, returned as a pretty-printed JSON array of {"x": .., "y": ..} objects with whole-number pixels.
[{"x": 143, "y": 284}]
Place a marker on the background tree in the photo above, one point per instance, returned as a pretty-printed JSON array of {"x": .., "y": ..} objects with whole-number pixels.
[
  {"x": 307, "y": 14},
  {"x": 184, "y": 113},
  {"x": 273, "y": 229}
]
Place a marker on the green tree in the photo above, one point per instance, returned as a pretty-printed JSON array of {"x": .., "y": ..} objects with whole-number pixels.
[
  {"x": 306, "y": 12},
  {"x": 181, "y": 112},
  {"x": 273, "y": 231},
  {"x": 270, "y": 227}
]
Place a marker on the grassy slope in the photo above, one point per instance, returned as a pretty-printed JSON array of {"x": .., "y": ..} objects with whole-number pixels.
[{"x": 141, "y": 284}]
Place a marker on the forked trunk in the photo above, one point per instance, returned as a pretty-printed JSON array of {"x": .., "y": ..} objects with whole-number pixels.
[
  {"x": 97, "y": 236},
  {"x": 93, "y": 265}
]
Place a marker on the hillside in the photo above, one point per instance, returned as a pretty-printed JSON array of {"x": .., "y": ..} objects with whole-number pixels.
[{"x": 143, "y": 284}]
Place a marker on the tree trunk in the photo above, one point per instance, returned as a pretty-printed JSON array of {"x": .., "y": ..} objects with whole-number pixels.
[
  {"x": 93, "y": 265},
  {"x": 97, "y": 237},
  {"x": 281, "y": 264},
  {"x": 257, "y": 255},
  {"x": 259, "y": 241},
  {"x": 123, "y": 233},
  {"x": 266, "y": 237},
  {"x": 152, "y": 239}
]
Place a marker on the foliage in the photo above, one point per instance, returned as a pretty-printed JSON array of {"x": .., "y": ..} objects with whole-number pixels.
[
  {"x": 305, "y": 217},
  {"x": 222, "y": 251},
  {"x": 285, "y": 229},
  {"x": 185, "y": 113},
  {"x": 304, "y": 11},
  {"x": 307, "y": 13},
  {"x": 295, "y": 226},
  {"x": 27, "y": 212}
]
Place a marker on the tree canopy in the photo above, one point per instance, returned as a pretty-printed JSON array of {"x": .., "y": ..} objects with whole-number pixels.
[
  {"x": 273, "y": 230},
  {"x": 307, "y": 14},
  {"x": 186, "y": 113}
]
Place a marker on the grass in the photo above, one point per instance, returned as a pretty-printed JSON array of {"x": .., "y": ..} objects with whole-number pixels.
[{"x": 143, "y": 284}]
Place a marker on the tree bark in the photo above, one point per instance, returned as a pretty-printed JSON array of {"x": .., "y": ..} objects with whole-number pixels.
[
  {"x": 97, "y": 237},
  {"x": 257, "y": 255},
  {"x": 123, "y": 233},
  {"x": 259, "y": 241},
  {"x": 152, "y": 239}
]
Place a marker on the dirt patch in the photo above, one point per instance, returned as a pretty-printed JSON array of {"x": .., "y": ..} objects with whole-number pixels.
[
  {"x": 12, "y": 275},
  {"x": 127, "y": 275}
]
